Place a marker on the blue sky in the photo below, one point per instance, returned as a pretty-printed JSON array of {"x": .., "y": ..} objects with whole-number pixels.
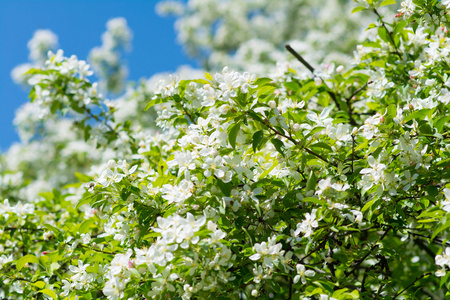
[{"x": 79, "y": 25}]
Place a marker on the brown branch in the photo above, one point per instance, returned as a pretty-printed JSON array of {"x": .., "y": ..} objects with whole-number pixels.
[
  {"x": 330, "y": 93},
  {"x": 299, "y": 58}
]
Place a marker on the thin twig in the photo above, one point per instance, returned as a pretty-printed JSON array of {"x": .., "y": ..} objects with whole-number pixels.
[
  {"x": 358, "y": 90},
  {"x": 97, "y": 250},
  {"x": 300, "y": 58},
  {"x": 320, "y": 246},
  {"x": 188, "y": 114},
  {"x": 424, "y": 248},
  {"x": 96, "y": 118},
  {"x": 349, "y": 104},
  {"x": 410, "y": 285},
  {"x": 331, "y": 264},
  {"x": 360, "y": 261},
  {"x": 388, "y": 32},
  {"x": 297, "y": 143},
  {"x": 330, "y": 93},
  {"x": 436, "y": 241}
]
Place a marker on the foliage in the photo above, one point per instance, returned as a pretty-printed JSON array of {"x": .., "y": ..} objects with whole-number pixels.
[{"x": 311, "y": 183}]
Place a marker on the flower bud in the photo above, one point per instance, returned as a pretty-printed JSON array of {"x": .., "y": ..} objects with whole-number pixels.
[
  {"x": 340, "y": 69},
  {"x": 111, "y": 164},
  {"x": 296, "y": 127},
  {"x": 318, "y": 80},
  {"x": 272, "y": 104}
]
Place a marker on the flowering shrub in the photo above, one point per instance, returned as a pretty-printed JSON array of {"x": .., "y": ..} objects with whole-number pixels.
[{"x": 309, "y": 183}]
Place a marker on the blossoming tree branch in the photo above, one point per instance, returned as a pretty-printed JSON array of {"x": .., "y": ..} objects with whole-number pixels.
[{"x": 297, "y": 180}]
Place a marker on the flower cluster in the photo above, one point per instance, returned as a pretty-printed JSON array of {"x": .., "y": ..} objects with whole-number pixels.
[
  {"x": 250, "y": 35},
  {"x": 106, "y": 59},
  {"x": 43, "y": 40},
  {"x": 314, "y": 182}
]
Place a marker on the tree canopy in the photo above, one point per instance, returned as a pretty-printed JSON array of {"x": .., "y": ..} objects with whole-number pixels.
[{"x": 271, "y": 174}]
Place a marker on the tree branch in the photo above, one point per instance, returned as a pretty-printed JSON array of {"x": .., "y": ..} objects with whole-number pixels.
[
  {"x": 358, "y": 91},
  {"x": 360, "y": 261},
  {"x": 388, "y": 32},
  {"x": 299, "y": 58},
  {"x": 411, "y": 284},
  {"x": 296, "y": 143}
]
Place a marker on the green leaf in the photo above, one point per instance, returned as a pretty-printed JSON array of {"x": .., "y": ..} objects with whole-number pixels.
[
  {"x": 82, "y": 177},
  {"x": 292, "y": 85},
  {"x": 266, "y": 90},
  {"x": 400, "y": 211},
  {"x": 329, "y": 286},
  {"x": 399, "y": 27},
  {"x": 39, "y": 284},
  {"x": 49, "y": 292},
  {"x": 208, "y": 76},
  {"x": 439, "y": 124},
  {"x": 279, "y": 145},
  {"x": 444, "y": 279},
  {"x": 152, "y": 103},
  {"x": 321, "y": 145},
  {"x": 314, "y": 130},
  {"x": 54, "y": 266},
  {"x": 444, "y": 224},
  {"x": 368, "y": 205},
  {"x": 26, "y": 259},
  {"x": 256, "y": 116},
  {"x": 391, "y": 111},
  {"x": 425, "y": 129},
  {"x": 201, "y": 81},
  {"x": 418, "y": 115},
  {"x": 51, "y": 228},
  {"x": 383, "y": 34},
  {"x": 256, "y": 139},
  {"x": 85, "y": 225},
  {"x": 354, "y": 294},
  {"x": 85, "y": 200},
  {"x": 387, "y": 2},
  {"x": 224, "y": 187},
  {"x": 46, "y": 195},
  {"x": 266, "y": 172},
  {"x": 358, "y": 9},
  {"x": 311, "y": 182},
  {"x": 232, "y": 134},
  {"x": 263, "y": 81},
  {"x": 314, "y": 200}
]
